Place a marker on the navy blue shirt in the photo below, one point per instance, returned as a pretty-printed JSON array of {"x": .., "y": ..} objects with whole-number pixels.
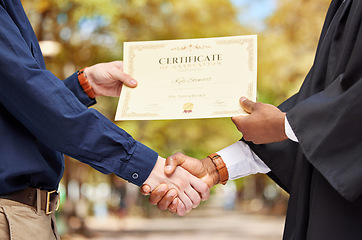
[{"x": 43, "y": 117}]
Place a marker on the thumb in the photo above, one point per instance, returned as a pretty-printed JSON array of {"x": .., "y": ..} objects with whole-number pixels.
[
  {"x": 246, "y": 104},
  {"x": 145, "y": 189},
  {"x": 173, "y": 161},
  {"x": 116, "y": 70}
]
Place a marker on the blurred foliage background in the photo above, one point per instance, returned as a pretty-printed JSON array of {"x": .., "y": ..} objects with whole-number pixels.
[{"x": 79, "y": 33}]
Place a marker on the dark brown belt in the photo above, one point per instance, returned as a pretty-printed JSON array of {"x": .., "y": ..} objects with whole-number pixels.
[{"x": 49, "y": 200}]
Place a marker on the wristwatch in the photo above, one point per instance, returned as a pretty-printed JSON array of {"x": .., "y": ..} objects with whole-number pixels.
[
  {"x": 221, "y": 167},
  {"x": 85, "y": 84}
]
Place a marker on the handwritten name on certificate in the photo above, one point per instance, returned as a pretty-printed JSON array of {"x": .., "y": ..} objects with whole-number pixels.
[{"x": 185, "y": 79}]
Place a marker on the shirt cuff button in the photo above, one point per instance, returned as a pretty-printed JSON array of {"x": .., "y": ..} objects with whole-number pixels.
[{"x": 135, "y": 175}]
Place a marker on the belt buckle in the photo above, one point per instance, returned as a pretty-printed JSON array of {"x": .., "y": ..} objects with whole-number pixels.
[{"x": 48, "y": 202}]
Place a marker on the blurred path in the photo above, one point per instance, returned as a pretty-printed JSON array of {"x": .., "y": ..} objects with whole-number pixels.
[{"x": 200, "y": 224}]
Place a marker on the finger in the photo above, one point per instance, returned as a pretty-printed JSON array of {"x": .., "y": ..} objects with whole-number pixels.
[
  {"x": 167, "y": 200},
  {"x": 246, "y": 104},
  {"x": 173, "y": 161},
  {"x": 172, "y": 208},
  {"x": 122, "y": 76},
  {"x": 186, "y": 201},
  {"x": 181, "y": 209},
  {"x": 128, "y": 80},
  {"x": 145, "y": 189},
  {"x": 201, "y": 187},
  {"x": 193, "y": 196},
  {"x": 158, "y": 193}
]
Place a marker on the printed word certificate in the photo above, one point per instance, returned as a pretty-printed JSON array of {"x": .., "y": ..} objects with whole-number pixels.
[{"x": 185, "y": 79}]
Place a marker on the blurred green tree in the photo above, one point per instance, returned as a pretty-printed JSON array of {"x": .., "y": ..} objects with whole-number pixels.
[{"x": 287, "y": 47}]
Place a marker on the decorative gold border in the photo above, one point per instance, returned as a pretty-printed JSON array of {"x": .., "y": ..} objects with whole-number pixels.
[
  {"x": 251, "y": 88},
  {"x": 133, "y": 48},
  {"x": 126, "y": 108},
  {"x": 190, "y": 47},
  {"x": 223, "y": 112},
  {"x": 250, "y": 48}
]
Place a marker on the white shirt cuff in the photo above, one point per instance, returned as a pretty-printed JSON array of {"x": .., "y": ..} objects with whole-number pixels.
[
  {"x": 241, "y": 161},
  {"x": 289, "y": 131}
]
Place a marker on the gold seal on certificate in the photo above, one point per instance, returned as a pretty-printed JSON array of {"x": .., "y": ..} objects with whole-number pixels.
[{"x": 185, "y": 79}]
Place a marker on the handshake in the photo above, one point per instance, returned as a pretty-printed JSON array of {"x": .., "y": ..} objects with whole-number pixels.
[
  {"x": 179, "y": 183},
  {"x": 185, "y": 182}
]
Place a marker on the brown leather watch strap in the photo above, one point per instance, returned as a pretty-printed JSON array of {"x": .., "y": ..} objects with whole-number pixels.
[
  {"x": 221, "y": 167},
  {"x": 85, "y": 84}
]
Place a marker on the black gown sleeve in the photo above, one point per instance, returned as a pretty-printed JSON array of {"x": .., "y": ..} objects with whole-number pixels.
[{"x": 328, "y": 126}]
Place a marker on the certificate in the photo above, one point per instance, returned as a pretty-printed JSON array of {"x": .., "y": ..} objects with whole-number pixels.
[{"x": 186, "y": 79}]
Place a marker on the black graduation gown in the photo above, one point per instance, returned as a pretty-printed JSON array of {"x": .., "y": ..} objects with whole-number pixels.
[{"x": 323, "y": 172}]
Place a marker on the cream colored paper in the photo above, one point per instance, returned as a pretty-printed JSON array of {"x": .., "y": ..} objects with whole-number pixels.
[{"x": 185, "y": 79}]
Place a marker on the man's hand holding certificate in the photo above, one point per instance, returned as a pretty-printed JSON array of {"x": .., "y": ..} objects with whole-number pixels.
[{"x": 184, "y": 79}]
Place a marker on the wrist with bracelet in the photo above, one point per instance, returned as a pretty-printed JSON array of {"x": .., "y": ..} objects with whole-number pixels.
[
  {"x": 220, "y": 166},
  {"x": 82, "y": 78}
]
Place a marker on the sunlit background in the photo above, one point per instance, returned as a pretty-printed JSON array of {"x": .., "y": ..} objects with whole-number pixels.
[{"x": 79, "y": 33}]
